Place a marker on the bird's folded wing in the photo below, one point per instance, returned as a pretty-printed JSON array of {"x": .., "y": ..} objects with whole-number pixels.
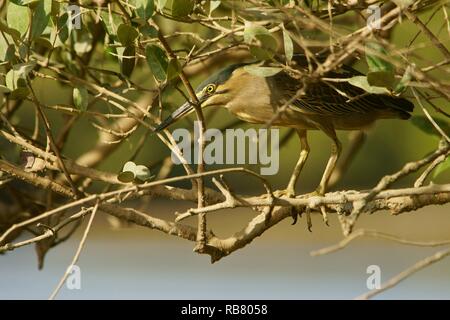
[{"x": 337, "y": 98}]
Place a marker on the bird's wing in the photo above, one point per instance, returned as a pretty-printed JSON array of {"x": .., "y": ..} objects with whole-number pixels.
[
  {"x": 328, "y": 98},
  {"x": 334, "y": 99}
]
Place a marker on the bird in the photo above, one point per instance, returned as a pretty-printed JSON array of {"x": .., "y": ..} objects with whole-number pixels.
[{"x": 325, "y": 106}]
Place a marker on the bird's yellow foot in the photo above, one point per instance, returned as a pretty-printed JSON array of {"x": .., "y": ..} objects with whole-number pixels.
[{"x": 318, "y": 193}]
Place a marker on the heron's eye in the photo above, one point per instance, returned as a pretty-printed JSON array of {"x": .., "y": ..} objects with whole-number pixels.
[{"x": 210, "y": 88}]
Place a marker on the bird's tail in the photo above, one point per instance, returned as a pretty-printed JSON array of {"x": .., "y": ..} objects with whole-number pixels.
[{"x": 402, "y": 106}]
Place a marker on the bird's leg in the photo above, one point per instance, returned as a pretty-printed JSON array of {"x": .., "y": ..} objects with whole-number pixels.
[
  {"x": 336, "y": 149},
  {"x": 304, "y": 152},
  {"x": 290, "y": 190},
  {"x": 356, "y": 141},
  {"x": 335, "y": 153}
]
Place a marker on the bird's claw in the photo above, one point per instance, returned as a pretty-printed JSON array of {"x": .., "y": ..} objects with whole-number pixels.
[
  {"x": 294, "y": 215},
  {"x": 289, "y": 193},
  {"x": 318, "y": 193},
  {"x": 308, "y": 221},
  {"x": 324, "y": 215},
  {"x": 296, "y": 212}
]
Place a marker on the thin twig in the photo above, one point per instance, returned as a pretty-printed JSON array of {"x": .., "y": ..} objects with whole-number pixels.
[
  {"x": 438, "y": 256},
  {"x": 77, "y": 253},
  {"x": 200, "y": 168},
  {"x": 52, "y": 141},
  {"x": 379, "y": 235}
]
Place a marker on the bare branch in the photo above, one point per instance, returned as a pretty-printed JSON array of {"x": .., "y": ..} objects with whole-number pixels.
[
  {"x": 438, "y": 256},
  {"x": 77, "y": 253}
]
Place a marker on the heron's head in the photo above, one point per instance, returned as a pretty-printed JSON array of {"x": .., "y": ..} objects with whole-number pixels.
[{"x": 218, "y": 90}]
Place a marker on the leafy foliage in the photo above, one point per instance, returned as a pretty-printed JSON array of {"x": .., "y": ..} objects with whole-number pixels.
[
  {"x": 80, "y": 98},
  {"x": 157, "y": 61},
  {"x": 117, "y": 74},
  {"x": 132, "y": 172}
]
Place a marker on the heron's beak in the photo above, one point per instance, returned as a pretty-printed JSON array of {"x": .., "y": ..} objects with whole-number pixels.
[{"x": 185, "y": 109}]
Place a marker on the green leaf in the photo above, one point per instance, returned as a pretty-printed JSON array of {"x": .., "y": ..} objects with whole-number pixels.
[
  {"x": 68, "y": 59},
  {"x": 361, "y": 82},
  {"x": 381, "y": 79},
  {"x": 16, "y": 77},
  {"x": 23, "y": 51},
  {"x": 404, "y": 81},
  {"x": 180, "y": 8},
  {"x": 126, "y": 176},
  {"x": 4, "y": 47},
  {"x": 173, "y": 69},
  {"x": 381, "y": 72},
  {"x": 18, "y": 18},
  {"x": 128, "y": 64},
  {"x": 12, "y": 80},
  {"x": 44, "y": 42},
  {"x": 375, "y": 62},
  {"x": 12, "y": 32},
  {"x": 262, "y": 71},
  {"x": 260, "y": 53},
  {"x": 40, "y": 17},
  {"x": 288, "y": 45},
  {"x": 441, "y": 168},
  {"x": 80, "y": 98},
  {"x": 60, "y": 32},
  {"x": 128, "y": 172},
  {"x": 142, "y": 173},
  {"x": 157, "y": 61},
  {"x": 129, "y": 166},
  {"x": 11, "y": 54},
  {"x": 19, "y": 93},
  {"x": 424, "y": 124},
  {"x": 56, "y": 7},
  {"x": 262, "y": 43},
  {"x": 127, "y": 34},
  {"x": 16, "y": 80},
  {"x": 134, "y": 173},
  {"x": 63, "y": 27},
  {"x": 213, "y": 5},
  {"x": 252, "y": 32},
  {"x": 148, "y": 31},
  {"x": 24, "y": 69},
  {"x": 111, "y": 22},
  {"x": 144, "y": 9},
  {"x": 23, "y": 2},
  {"x": 161, "y": 4}
]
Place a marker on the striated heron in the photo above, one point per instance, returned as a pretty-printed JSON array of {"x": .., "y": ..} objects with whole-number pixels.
[{"x": 325, "y": 106}]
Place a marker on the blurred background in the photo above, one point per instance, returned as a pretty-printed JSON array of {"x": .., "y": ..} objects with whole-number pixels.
[
  {"x": 127, "y": 262},
  {"x": 137, "y": 263}
]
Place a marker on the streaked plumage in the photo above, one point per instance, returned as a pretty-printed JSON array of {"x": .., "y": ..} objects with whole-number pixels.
[{"x": 325, "y": 106}]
